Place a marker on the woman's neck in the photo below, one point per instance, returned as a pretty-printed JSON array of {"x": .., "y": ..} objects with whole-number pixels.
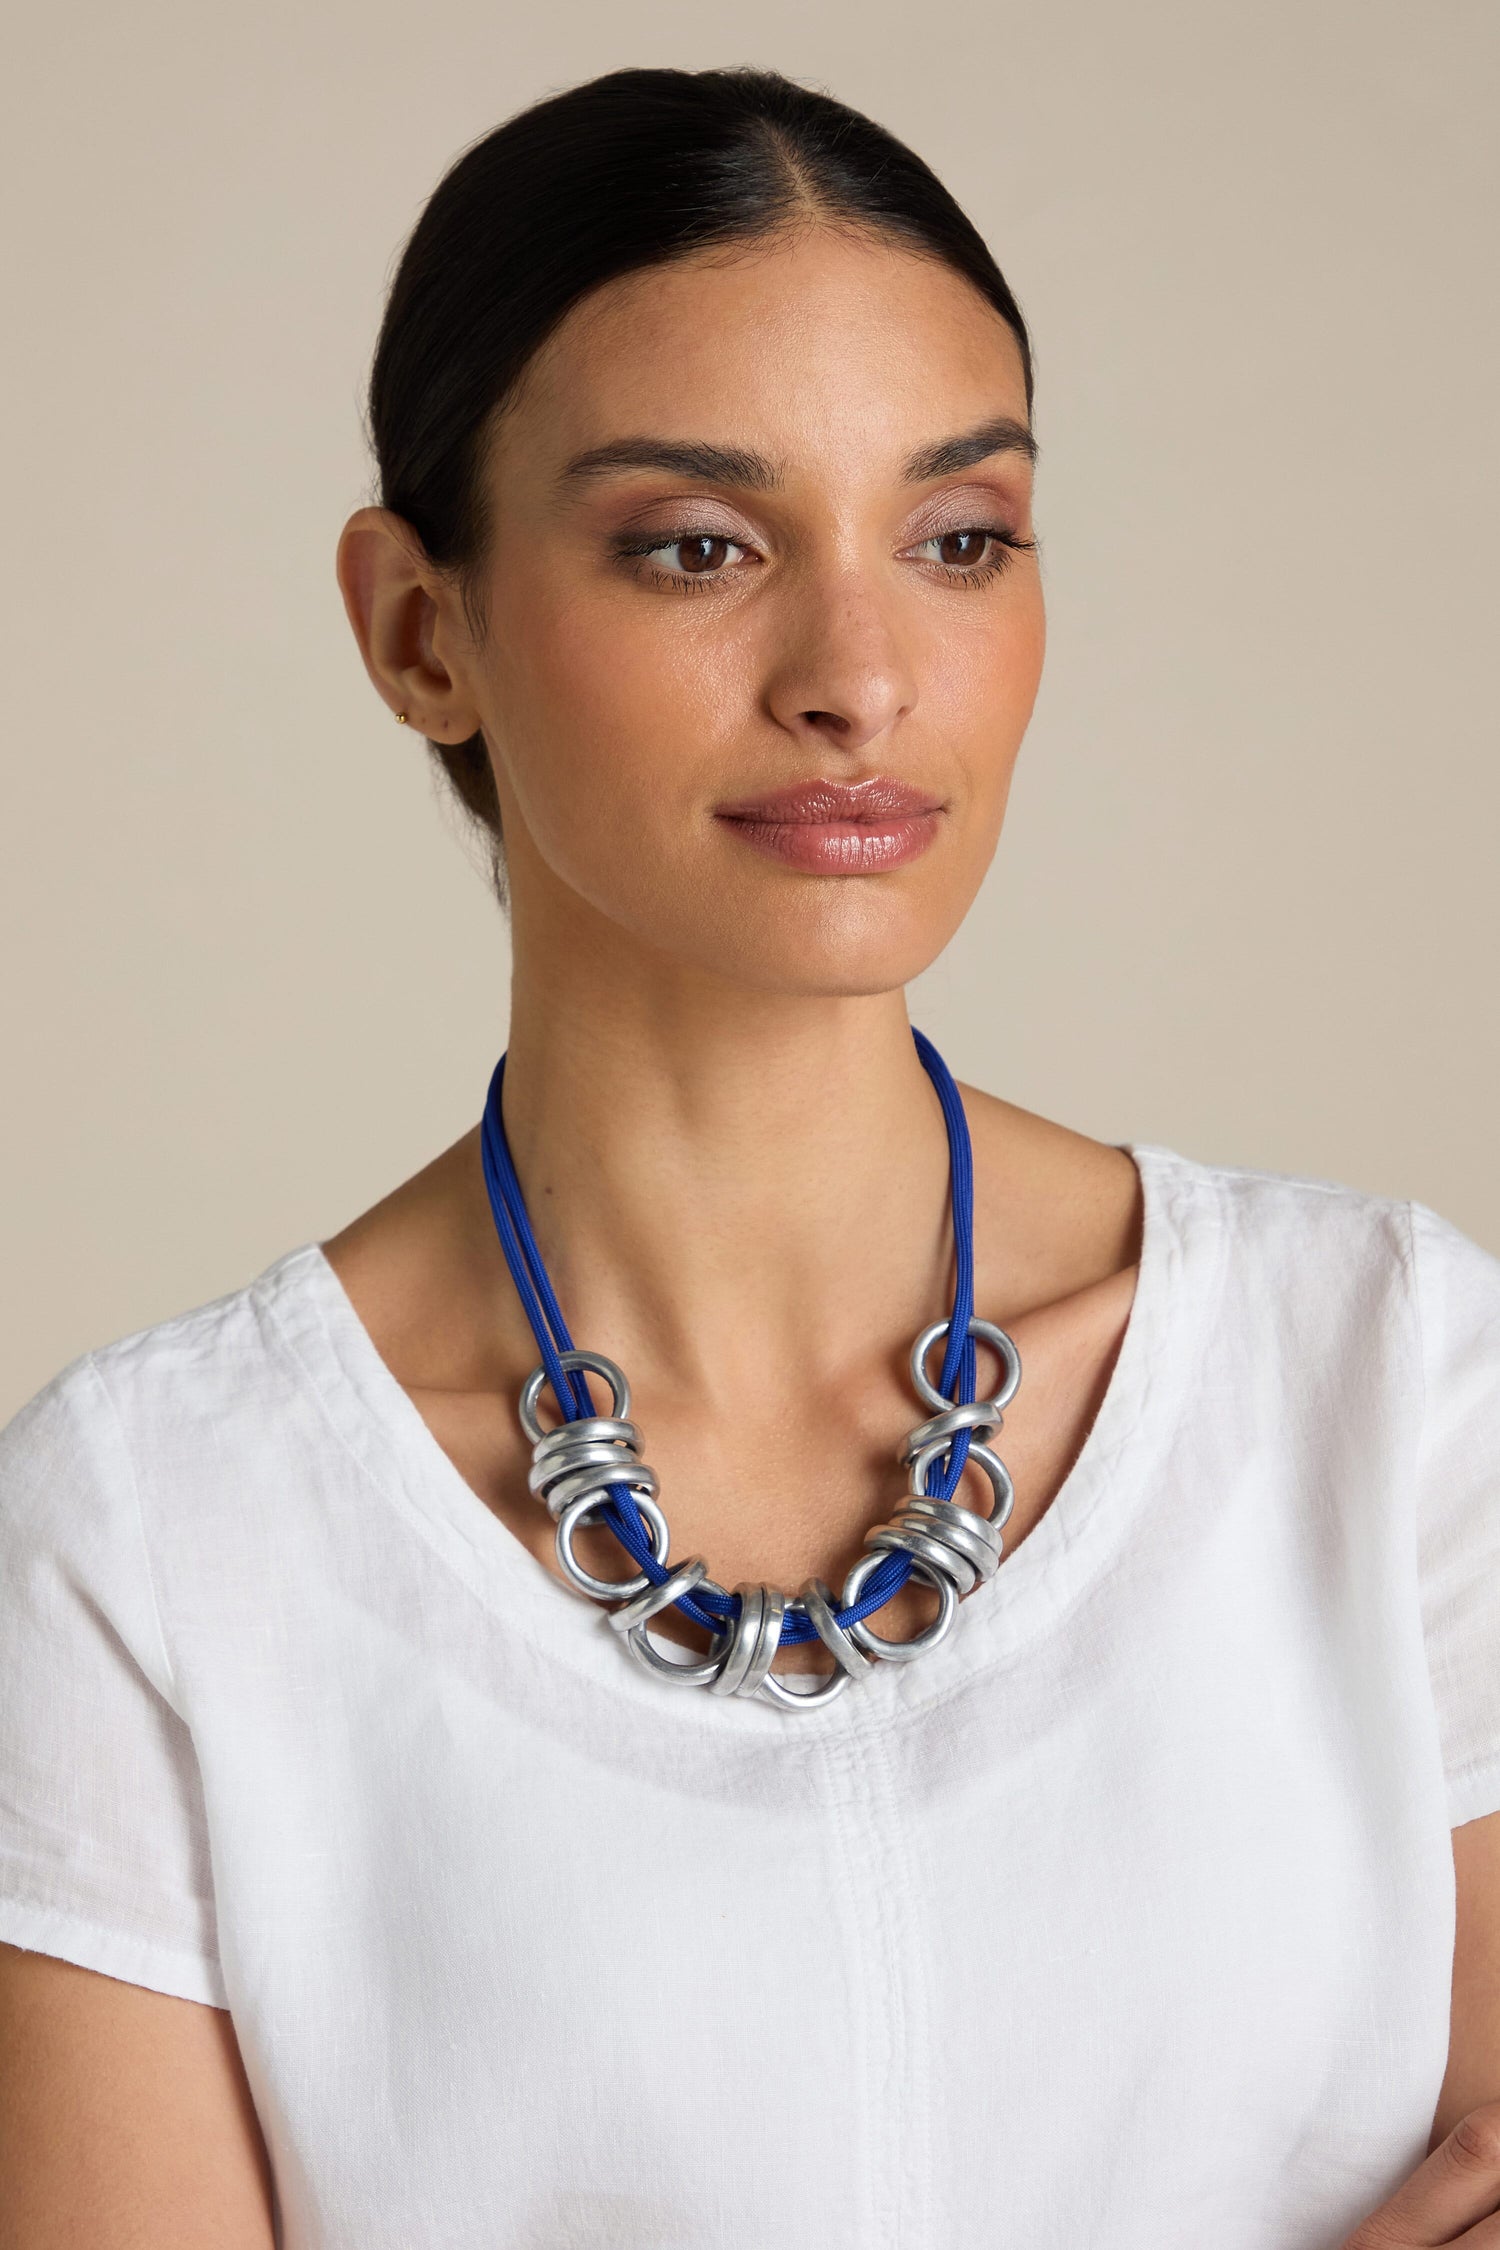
[{"x": 733, "y": 1188}]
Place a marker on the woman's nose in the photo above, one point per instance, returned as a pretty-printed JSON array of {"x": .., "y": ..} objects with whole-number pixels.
[{"x": 844, "y": 675}]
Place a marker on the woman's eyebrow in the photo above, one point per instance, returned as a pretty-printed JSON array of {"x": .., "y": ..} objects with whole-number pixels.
[
  {"x": 1001, "y": 434},
  {"x": 686, "y": 457},
  {"x": 732, "y": 465}
]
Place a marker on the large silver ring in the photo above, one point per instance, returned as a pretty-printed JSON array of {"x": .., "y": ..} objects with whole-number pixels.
[
  {"x": 656, "y": 1598},
  {"x": 531, "y": 1390},
  {"x": 638, "y": 1476},
  {"x": 589, "y": 1429},
  {"x": 989, "y": 1334},
  {"x": 753, "y": 1639},
  {"x": 960, "y": 1528},
  {"x": 550, "y": 1468},
  {"x": 632, "y": 1618},
  {"x": 980, "y": 1457},
  {"x": 926, "y": 1547},
  {"x": 817, "y": 1601},
  {"x": 900, "y": 1652},
  {"x": 645, "y": 1651},
  {"x": 608, "y": 1589},
  {"x": 982, "y": 1419},
  {"x": 826, "y": 1685}
]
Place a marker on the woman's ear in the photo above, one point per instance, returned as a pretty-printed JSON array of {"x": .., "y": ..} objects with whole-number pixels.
[{"x": 397, "y": 603}]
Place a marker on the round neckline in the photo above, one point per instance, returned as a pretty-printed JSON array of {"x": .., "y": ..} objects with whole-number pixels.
[{"x": 1062, "y": 1555}]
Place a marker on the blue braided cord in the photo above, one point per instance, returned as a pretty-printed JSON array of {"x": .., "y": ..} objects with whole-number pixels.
[
  {"x": 570, "y": 1388},
  {"x": 525, "y": 1260}
]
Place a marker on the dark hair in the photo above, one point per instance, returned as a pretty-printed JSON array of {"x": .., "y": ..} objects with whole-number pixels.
[{"x": 632, "y": 169}]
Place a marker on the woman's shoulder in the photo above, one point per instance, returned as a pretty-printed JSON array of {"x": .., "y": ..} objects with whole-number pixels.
[
  {"x": 1339, "y": 1272},
  {"x": 1318, "y": 1259},
  {"x": 1306, "y": 1212},
  {"x": 223, "y": 1362},
  {"x": 1076, "y": 1208},
  {"x": 1260, "y": 1205}
]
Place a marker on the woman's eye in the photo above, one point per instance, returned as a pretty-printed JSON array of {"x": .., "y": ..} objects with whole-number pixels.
[
  {"x": 975, "y": 547},
  {"x": 704, "y": 551},
  {"x": 691, "y": 557}
]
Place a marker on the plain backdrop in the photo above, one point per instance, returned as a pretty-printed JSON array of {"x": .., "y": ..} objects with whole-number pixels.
[{"x": 1246, "y": 902}]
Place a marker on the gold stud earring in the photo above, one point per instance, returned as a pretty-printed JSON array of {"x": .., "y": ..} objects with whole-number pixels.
[{"x": 400, "y": 718}]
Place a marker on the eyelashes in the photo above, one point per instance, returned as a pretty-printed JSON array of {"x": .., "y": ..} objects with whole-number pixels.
[
  {"x": 1005, "y": 545},
  {"x": 661, "y": 542},
  {"x": 1005, "y": 542}
]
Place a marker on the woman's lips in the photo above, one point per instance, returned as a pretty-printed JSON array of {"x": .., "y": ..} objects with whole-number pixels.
[{"x": 839, "y": 828}]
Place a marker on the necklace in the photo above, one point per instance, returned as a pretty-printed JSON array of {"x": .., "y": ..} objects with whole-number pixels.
[{"x": 589, "y": 1466}]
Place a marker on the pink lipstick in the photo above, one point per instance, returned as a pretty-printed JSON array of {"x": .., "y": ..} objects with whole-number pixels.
[{"x": 838, "y": 827}]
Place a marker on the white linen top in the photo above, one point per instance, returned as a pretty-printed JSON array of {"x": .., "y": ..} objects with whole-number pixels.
[{"x": 1123, "y": 1920}]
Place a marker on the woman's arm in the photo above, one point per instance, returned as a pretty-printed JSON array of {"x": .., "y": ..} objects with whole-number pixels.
[
  {"x": 124, "y": 2117},
  {"x": 1451, "y": 2198},
  {"x": 1473, "y": 2073}
]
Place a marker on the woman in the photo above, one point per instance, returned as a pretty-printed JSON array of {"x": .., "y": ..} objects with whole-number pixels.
[{"x": 359, "y": 1888}]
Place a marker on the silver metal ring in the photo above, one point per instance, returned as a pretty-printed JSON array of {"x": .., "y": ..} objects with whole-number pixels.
[
  {"x": 983, "y": 1418},
  {"x": 900, "y": 1652},
  {"x": 773, "y": 1609},
  {"x": 981, "y": 1458},
  {"x": 754, "y": 1637},
  {"x": 607, "y": 1589},
  {"x": 551, "y": 1469},
  {"x": 656, "y": 1598},
  {"x": 742, "y": 1635},
  {"x": 988, "y": 1333},
  {"x": 817, "y": 1599},
  {"x": 924, "y": 1547},
  {"x": 531, "y": 1389},
  {"x": 638, "y": 1476},
  {"x": 589, "y": 1429},
  {"x": 630, "y": 1620},
  {"x": 645, "y": 1651},
  {"x": 958, "y": 1528},
  {"x": 826, "y": 1686}
]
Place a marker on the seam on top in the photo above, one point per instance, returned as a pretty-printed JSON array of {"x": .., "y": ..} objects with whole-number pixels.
[
  {"x": 899, "y": 2090},
  {"x": 267, "y": 1304},
  {"x": 841, "y": 1802},
  {"x": 92, "y": 1363},
  {"x": 289, "y": 1344},
  {"x": 1454, "y": 1779},
  {"x": 1414, "y": 1293},
  {"x": 200, "y": 1969},
  {"x": 857, "y": 1752},
  {"x": 1263, "y": 1176},
  {"x": 915, "y": 2142},
  {"x": 1483, "y": 1770}
]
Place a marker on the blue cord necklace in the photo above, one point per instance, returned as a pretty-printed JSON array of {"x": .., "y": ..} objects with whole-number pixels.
[{"x": 589, "y": 1466}]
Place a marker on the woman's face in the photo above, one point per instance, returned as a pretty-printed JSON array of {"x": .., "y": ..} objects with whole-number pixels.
[{"x": 721, "y": 566}]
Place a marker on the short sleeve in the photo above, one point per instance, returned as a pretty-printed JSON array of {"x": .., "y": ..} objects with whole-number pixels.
[
  {"x": 1458, "y": 1503},
  {"x": 103, "y": 1842}
]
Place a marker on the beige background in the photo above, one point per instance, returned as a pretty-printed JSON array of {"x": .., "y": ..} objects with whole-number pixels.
[{"x": 1246, "y": 901}]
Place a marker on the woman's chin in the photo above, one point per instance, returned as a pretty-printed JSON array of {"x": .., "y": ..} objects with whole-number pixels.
[
  {"x": 755, "y": 923},
  {"x": 805, "y": 961}
]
